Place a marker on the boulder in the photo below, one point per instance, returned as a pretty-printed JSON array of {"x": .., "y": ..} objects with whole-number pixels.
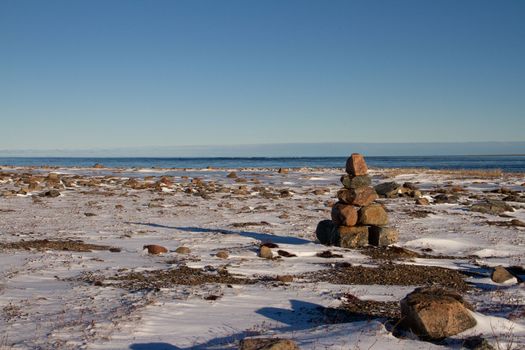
[
  {"x": 344, "y": 214},
  {"x": 349, "y": 181},
  {"x": 155, "y": 249},
  {"x": 361, "y": 196},
  {"x": 267, "y": 344},
  {"x": 435, "y": 313},
  {"x": 265, "y": 252},
  {"x": 353, "y": 236},
  {"x": 387, "y": 189},
  {"x": 222, "y": 254},
  {"x": 356, "y": 165},
  {"x": 327, "y": 233},
  {"x": 501, "y": 275},
  {"x": 491, "y": 206},
  {"x": 382, "y": 236},
  {"x": 183, "y": 250},
  {"x": 422, "y": 201},
  {"x": 373, "y": 214}
]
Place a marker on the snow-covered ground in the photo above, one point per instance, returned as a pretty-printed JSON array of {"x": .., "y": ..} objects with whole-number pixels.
[{"x": 49, "y": 301}]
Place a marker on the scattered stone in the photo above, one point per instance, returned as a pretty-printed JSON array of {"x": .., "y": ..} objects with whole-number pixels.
[
  {"x": 183, "y": 250},
  {"x": 349, "y": 181},
  {"x": 50, "y": 193},
  {"x": 501, "y": 275},
  {"x": 477, "y": 342},
  {"x": 267, "y": 344},
  {"x": 327, "y": 233},
  {"x": 518, "y": 223},
  {"x": 353, "y": 236},
  {"x": 491, "y": 206},
  {"x": 285, "y": 278},
  {"x": 155, "y": 249},
  {"x": 222, "y": 254},
  {"x": 387, "y": 189},
  {"x": 90, "y": 214},
  {"x": 98, "y": 166},
  {"x": 265, "y": 252},
  {"x": 344, "y": 214},
  {"x": 445, "y": 199},
  {"x": 411, "y": 186},
  {"x": 115, "y": 250},
  {"x": 328, "y": 254},
  {"x": 373, "y": 214},
  {"x": 282, "y": 171},
  {"x": 269, "y": 245},
  {"x": 286, "y": 254},
  {"x": 232, "y": 175},
  {"x": 361, "y": 196},
  {"x": 356, "y": 165},
  {"x": 435, "y": 313},
  {"x": 422, "y": 201},
  {"x": 382, "y": 236}
]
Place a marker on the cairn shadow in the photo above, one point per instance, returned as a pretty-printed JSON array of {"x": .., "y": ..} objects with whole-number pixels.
[{"x": 263, "y": 237}]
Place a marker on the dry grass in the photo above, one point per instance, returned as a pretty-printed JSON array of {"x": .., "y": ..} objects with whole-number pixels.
[{"x": 45, "y": 244}]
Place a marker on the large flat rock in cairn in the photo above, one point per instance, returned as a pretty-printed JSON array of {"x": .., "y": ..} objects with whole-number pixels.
[
  {"x": 435, "y": 313},
  {"x": 344, "y": 214},
  {"x": 356, "y": 165},
  {"x": 361, "y": 196}
]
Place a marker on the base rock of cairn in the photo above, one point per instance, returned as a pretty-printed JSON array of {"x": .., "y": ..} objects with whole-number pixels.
[{"x": 357, "y": 220}]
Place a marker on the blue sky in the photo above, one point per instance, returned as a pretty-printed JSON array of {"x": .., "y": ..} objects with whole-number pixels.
[{"x": 103, "y": 74}]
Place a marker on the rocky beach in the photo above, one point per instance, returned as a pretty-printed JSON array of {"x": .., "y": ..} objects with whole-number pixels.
[{"x": 214, "y": 258}]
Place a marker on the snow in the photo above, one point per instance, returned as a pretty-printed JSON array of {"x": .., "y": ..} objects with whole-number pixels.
[{"x": 43, "y": 305}]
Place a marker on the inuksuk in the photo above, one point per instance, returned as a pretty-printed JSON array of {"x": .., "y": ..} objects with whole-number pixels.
[{"x": 357, "y": 219}]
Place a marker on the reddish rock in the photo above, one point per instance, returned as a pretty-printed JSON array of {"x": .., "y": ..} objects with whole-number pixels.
[
  {"x": 373, "y": 214},
  {"x": 382, "y": 236},
  {"x": 356, "y": 165},
  {"x": 422, "y": 201},
  {"x": 155, "y": 249},
  {"x": 232, "y": 175},
  {"x": 435, "y": 313},
  {"x": 183, "y": 250},
  {"x": 353, "y": 236},
  {"x": 361, "y": 196},
  {"x": 282, "y": 171},
  {"x": 285, "y": 278},
  {"x": 265, "y": 252},
  {"x": 222, "y": 254},
  {"x": 344, "y": 214}
]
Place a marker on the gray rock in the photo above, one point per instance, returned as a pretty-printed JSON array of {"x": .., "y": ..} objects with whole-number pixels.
[
  {"x": 491, "y": 206},
  {"x": 327, "y": 233},
  {"x": 382, "y": 236},
  {"x": 388, "y": 189},
  {"x": 349, "y": 181}
]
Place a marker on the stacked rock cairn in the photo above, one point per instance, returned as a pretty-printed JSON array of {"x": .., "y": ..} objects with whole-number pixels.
[{"x": 357, "y": 219}]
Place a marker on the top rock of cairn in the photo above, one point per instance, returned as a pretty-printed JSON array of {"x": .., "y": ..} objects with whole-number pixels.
[{"x": 356, "y": 165}]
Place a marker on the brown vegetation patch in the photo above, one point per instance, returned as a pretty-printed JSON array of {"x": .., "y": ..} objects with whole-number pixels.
[
  {"x": 45, "y": 244},
  {"x": 457, "y": 173},
  {"x": 390, "y": 274},
  {"x": 367, "y": 309},
  {"x": 245, "y": 224},
  {"x": 181, "y": 275},
  {"x": 390, "y": 253}
]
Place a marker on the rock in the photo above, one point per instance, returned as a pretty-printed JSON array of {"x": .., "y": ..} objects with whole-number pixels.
[
  {"x": 285, "y": 278},
  {"x": 327, "y": 233},
  {"x": 115, "y": 250},
  {"x": 435, "y": 313},
  {"x": 353, "y": 236},
  {"x": 265, "y": 252},
  {"x": 222, "y": 254},
  {"x": 382, "y": 236},
  {"x": 361, "y": 196},
  {"x": 155, "y": 249},
  {"x": 344, "y": 214},
  {"x": 50, "y": 193},
  {"x": 518, "y": 223},
  {"x": 183, "y": 250},
  {"x": 356, "y": 165},
  {"x": 491, "y": 206},
  {"x": 477, "y": 342},
  {"x": 387, "y": 189},
  {"x": 98, "y": 166},
  {"x": 286, "y": 254},
  {"x": 282, "y": 171},
  {"x": 410, "y": 186},
  {"x": 328, "y": 254},
  {"x": 501, "y": 275},
  {"x": 349, "y": 181},
  {"x": 422, "y": 201},
  {"x": 232, "y": 175},
  {"x": 373, "y": 214},
  {"x": 444, "y": 198},
  {"x": 267, "y": 344}
]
